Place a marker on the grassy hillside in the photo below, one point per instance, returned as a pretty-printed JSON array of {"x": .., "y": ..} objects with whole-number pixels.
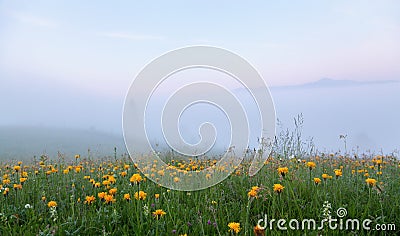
[{"x": 23, "y": 143}]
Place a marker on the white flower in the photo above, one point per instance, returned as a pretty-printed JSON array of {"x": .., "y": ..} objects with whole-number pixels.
[
  {"x": 146, "y": 209},
  {"x": 28, "y": 206},
  {"x": 291, "y": 157}
]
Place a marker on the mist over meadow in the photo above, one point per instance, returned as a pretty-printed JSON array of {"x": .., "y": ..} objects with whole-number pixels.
[{"x": 45, "y": 118}]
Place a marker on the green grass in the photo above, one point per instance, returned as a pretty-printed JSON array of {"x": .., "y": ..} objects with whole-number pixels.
[{"x": 205, "y": 212}]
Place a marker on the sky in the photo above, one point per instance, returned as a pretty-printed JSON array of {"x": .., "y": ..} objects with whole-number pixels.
[{"x": 61, "y": 62}]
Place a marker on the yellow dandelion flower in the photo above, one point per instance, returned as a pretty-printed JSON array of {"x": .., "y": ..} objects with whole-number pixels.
[
  {"x": 283, "y": 171},
  {"x": 252, "y": 193},
  {"x": 5, "y": 192},
  {"x": 52, "y": 204},
  {"x": 311, "y": 165},
  {"x": 278, "y": 188},
  {"x": 112, "y": 191},
  {"x": 234, "y": 227},
  {"x": 317, "y": 181},
  {"x": 338, "y": 173},
  {"x": 159, "y": 213},
  {"x": 17, "y": 186},
  {"x": 136, "y": 178},
  {"x": 89, "y": 200},
  {"x": 127, "y": 196},
  {"x": 258, "y": 231},
  {"x": 109, "y": 199},
  {"x": 101, "y": 195},
  {"x": 371, "y": 182},
  {"x": 141, "y": 195}
]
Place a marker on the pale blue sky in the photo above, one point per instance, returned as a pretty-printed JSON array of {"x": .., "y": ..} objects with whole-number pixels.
[
  {"x": 70, "y": 63},
  {"x": 98, "y": 46}
]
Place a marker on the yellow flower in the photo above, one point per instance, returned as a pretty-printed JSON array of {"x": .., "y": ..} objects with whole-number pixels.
[
  {"x": 159, "y": 213},
  {"x": 123, "y": 173},
  {"x": 77, "y": 156},
  {"x": 22, "y": 180},
  {"x": 140, "y": 195},
  {"x": 252, "y": 193},
  {"x": 258, "y": 231},
  {"x": 338, "y": 173},
  {"x": 325, "y": 176},
  {"x": 89, "y": 200},
  {"x": 371, "y": 182},
  {"x": 112, "y": 191},
  {"x": 109, "y": 199},
  {"x": 101, "y": 195},
  {"x": 234, "y": 227},
  {"x": 311, "y": 165},
  {"x": 112, "y": 179},
  {"x": 127, "y": 196},
  {"x": 317, "y": 180},
  {"x": 52, "y": 204},
  {"x": 78, "y": 169},
  {"x": 17, "y": 168},
  {"x": 283, "y": 171},
  {"x": 17, "y": 186},
  {"x": 157, "y": 195},
  {"x": 256, "y": 188},
  {"x": 176, "y": 179},
  {"x": 278, "y": 188},
  {"x": 135, "y": 179}
]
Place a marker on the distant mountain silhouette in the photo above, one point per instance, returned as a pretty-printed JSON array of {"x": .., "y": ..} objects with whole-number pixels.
[{"x": 328, "y": 82}]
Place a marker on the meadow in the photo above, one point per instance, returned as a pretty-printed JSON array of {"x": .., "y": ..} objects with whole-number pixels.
[{"x": 110, "y": 196}]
